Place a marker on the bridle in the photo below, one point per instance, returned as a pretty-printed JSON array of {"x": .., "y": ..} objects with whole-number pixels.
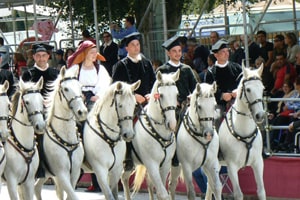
[
  {"x": 3, "y": 118},
  {"x": 164, "y": 109},
  {"x": 244, "y": 92},
  {"x": 102, "y": 133},
  {"x": 29, "y": 114},
  {"x": 69, "y": 101}
]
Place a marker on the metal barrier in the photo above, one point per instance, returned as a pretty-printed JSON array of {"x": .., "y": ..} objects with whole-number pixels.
[{"x": 269, "y": 127}]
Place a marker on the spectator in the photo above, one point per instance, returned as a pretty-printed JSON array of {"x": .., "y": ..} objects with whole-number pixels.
[
  {"x": 87, "y": 36},
  {"x": 19, "y": 63},
  {"x": 297, "y": 63},
  {"x": 184, "y": 47},
  {"x": 29, "y": 57},
  {"x": 237, "y": 53},
  {"x": 6, "y": 75},
  {"x": 253, "y": 50},
  {"x": 59, "y": 56},
  {"x": 109, "y": 49},
  {"x": 266, "y": 52},
  {"x": 207, "y": 76},
  {"x": 259, "y": 61},
  {"x": 132, "y": 68},
  {"x": 283, "y": 71},
  {"x": 197, "y": 55},
  {"x": 69, "y": 52},
  {"x": 279, "y": 46},
  {"x": 213, "y": 38},
  {"x": 122, "y": 33},
  {"x": 4, "y": 55},
  {"x": 291, "y": 40}
]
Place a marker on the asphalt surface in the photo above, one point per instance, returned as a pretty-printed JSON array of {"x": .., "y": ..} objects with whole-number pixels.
[{"x": 48, "y": 193}]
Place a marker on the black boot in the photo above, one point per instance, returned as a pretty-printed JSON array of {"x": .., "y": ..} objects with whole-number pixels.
[{"x": 128, "y": 162}]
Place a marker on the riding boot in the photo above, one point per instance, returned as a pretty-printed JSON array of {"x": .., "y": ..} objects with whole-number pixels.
[
  {"x": 41, "y": 170},
  {"x": 175, "y": 162},
  {"x": 128, "y": 162}
]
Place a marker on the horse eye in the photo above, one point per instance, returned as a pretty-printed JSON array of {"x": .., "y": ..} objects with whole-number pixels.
[
  {"x": 120, "y": 105},
  {"x": 27, "y": 102},
  {"x": 161, "y": 96},
  {"x": 248, "y": 90},
  {"x": 66, "y": 89}
]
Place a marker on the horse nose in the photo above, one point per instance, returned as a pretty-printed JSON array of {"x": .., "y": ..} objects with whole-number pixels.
[
  {"x": 39, "y": 127},
  {"x": 82, "y": 113},
  {"x": 259, "y": 117},
  {"x": 128, "y": 136}
]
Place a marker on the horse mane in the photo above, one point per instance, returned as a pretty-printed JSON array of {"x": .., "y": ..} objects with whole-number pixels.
[
  {"x": 107, "y": 96},
  {"x": 52, "y": 90},
  {"x": 15, "y": 102}
]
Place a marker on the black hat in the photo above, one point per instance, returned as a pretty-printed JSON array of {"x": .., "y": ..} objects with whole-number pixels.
[
  {"x": 133, "y": 36},
  {"x": 220, "y": 44},
  {"x": 41, "y": 47},
  {"x": 172, "y": 42},
  {"x": 60, "y": 52}
]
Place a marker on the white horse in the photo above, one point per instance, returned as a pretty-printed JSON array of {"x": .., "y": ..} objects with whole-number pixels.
[
  {"x": 108, "y": 126},
  {"x": 154, "y": 143},
  {"x": 22, "y": 158},
  {"x": 240, "y": 139},
  {"x": 198, "y": 142},
  {"x": 4, "y": 132},
  {"x": 62, "y": 145}
]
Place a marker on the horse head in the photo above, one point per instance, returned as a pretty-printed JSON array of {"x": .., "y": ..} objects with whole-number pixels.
[
  {"x": 4, "y": 111},
  {"x": 70, "y": 90},
  {"x": 125, "y": 102},
  {"x": 202, "y": 106},
  {"x": 163, "y": 99},
  {"x": 32, "y": 103},
  {"x": 250, "y": 92}
]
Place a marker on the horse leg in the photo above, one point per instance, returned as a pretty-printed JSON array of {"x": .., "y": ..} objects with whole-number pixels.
[
  {"x": 150, "y": 187},
  {"x": 233, "y": 175},
  {"x": 188, "y": 177},
  {"x": 59, "y": 190},
  {"x": 258, "y": 168},
  {"x": 173, "y": 180},
  {"x": 12, "y": 187},
  {"x": 125, "y": 181},
  {"x": 38, "y": 188},
  {"x": 63, "y": 181},
  {"x": 212, "y": 173},
  {"x": 26, "y": 190},
  {"x": 157, "y": 180},
  {"x": 102, "y": 178}
]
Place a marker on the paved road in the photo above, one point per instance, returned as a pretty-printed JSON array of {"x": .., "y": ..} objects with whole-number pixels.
[{"x": 48, "y": 193}]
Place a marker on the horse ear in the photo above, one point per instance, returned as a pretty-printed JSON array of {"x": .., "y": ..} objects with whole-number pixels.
[
  {"x": 260, "y": 69},
  {"x": 198, "y": 88},
  {"x": 119, "y": 86},
  {"x": 158, "y": 76},
  {"x": 40, "y": 83},
  {"x": 5, "y": 85},
  {"x": 63, "y": 71},
  {"x": 21, "y": 83},
  {"x": 135, "y": 85},
  {"x": 245, "y": 72},
  {"x": 214, "y": 86},
  {"x": 176, "y": 75}
]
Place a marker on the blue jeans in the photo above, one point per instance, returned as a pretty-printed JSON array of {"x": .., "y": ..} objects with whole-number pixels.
[{"x": 200, "y": 179}]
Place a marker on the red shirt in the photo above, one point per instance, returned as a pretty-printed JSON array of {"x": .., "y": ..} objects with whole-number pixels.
[{"x": 280, "y": 75}]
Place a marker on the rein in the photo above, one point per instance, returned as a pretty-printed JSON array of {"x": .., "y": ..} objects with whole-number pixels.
[
  {"x": 190, "y": 127},
  {"x": 251, "y": 137},
  {"x": 3, "y": 156},
  {"x": 165, "y": 143}
]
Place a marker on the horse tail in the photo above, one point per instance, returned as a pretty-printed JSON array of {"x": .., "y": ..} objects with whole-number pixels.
[{"x": 140, "y": 172}]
